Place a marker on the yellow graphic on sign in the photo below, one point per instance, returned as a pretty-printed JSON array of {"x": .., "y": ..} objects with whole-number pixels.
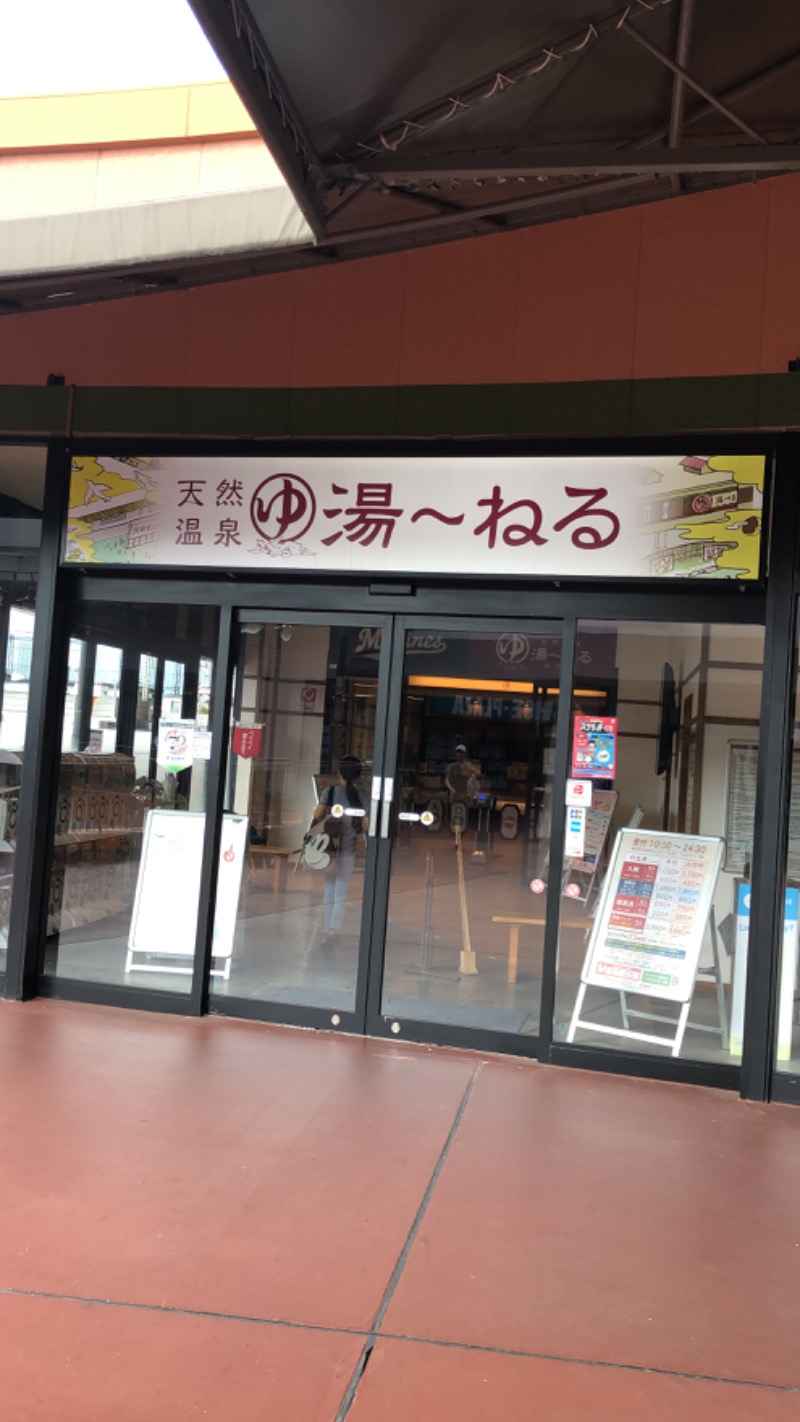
[
  {"x": 107, "y": 502},
  {"x": 705, "y": 516}
]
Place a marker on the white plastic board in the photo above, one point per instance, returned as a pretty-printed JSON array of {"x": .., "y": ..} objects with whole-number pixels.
[
  {"x": 652, "y": 914},
  {"x": 164, "y": 919}
]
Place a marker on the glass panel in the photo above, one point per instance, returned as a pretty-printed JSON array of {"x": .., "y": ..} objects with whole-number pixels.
[
  {"x": 21, "y": 492},
  {"x": 303, "y": 710},
  {"x": 132, "y": 795},
  {"x": 465, "y": 933},
  {"x": 787, "y": 1037},
  {"x": 686, "y": 702}
]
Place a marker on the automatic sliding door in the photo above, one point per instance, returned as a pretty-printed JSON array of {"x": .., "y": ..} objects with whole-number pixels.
[
  {"x": 471, "y": 827},
  {"x": 305, "y": 737}
]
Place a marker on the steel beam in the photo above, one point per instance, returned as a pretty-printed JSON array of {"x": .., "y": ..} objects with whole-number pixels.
[
  {"x": 678, "y": 88},
  {"x": 737, "y": 91},
  {"x": 242, "y": 49},
  {"x": 556, "y": 163},
  {"x": 693, "y": 83}
]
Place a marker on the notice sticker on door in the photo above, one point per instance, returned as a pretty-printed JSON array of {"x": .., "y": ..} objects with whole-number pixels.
[
  {"x": 575, "y": 832},
  {"x": 579, "y": 792}
]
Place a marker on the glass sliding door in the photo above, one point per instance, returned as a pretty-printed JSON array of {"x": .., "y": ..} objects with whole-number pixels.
[
  {"x": 130, "y": 809},
  {"x": 304, "y": 742},
  {"x": 470, "y": 836}
]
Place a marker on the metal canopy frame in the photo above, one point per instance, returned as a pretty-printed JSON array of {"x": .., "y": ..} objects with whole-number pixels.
[
  {"x": 370, "y": 165},
  {"x": 497, "y": 151}
]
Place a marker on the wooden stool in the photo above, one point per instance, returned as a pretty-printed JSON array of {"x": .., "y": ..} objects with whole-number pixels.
[
  {"x": 515, "y": 922},
  {"x": 280, "y": 867}
]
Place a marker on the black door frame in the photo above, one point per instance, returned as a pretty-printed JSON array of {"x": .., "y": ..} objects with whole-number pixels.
[{"x": 777, "y": 611}]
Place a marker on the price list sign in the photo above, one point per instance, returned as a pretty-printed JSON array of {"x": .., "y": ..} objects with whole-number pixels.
[{"x": 653, "y": 911}]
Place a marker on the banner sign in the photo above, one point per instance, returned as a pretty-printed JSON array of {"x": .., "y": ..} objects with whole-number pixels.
[
  {"x": 652, "y": 915},
  {"x": 594, "y": 747},
  {"x": 659, "y": 516},
  {"x": 246, "y": 740}
]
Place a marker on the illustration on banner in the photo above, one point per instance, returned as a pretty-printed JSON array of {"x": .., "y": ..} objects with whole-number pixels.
[{"x": 661, "y": 516}]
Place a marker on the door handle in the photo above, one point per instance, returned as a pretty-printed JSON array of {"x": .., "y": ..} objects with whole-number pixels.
[
  {"x": 388, "y": 795},
  {"x": 374, "y": 806}
]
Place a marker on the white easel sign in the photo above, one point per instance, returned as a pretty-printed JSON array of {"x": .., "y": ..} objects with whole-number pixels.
[{"x": 650, "y": 923}]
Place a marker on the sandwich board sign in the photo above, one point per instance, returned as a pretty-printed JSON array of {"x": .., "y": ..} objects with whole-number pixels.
[
  {"x": 650, "y": 922},
  {"x": 164, "y": 918}
]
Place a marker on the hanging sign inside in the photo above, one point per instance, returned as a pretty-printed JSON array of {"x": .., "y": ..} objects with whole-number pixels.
[
  {"x": 594, "y": 747},
  {"x": 175, "y": 745},
  {"x": 246, "y": 739},
  {"x": 626, "y": 516}
]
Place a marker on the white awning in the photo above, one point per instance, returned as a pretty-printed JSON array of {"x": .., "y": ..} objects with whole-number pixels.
[{"x": 209, "y": 225}]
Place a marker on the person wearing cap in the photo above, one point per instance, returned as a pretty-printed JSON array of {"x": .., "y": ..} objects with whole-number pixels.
[{"x": 459, "y": 773}]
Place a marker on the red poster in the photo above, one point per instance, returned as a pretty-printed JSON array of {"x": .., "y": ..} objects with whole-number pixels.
[
  {"x": 247, "y": 741},
  {"x": 594, "y": 748}
]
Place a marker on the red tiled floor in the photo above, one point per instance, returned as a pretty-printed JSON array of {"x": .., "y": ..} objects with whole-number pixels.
[
  {"x": 92, "y": 1363},
  {"x": 231, "y": 1168},
  {"x": 212, "y": 1164},
  {"x": 429, "y": 1384},
  {"x": 627, "y": 1221}
]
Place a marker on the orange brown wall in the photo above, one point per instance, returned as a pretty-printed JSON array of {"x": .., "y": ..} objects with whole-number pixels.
[{"x": 697, "y": 286}]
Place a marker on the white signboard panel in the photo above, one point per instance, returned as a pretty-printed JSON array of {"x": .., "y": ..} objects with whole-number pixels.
[
  {"x": 164, "y": 918},
  {"x": 654, "y": 516},
  {"x": 652, "y": 914}
]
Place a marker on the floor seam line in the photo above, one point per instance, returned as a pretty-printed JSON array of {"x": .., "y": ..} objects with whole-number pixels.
[
  {"x": 185, "y": 1312},
  {"x": 402, "y": 1258},
  {"x": 587, "y": 1362},
  {"x": 373, "y": 1334}
]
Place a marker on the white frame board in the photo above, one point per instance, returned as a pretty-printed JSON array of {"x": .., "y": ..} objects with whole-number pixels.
[
  {"x": 164, "y": 917},
  {"x": 649, "y": 943}
]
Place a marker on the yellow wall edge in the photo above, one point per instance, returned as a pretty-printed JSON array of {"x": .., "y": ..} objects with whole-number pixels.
[{"x": 131, "y": 116}]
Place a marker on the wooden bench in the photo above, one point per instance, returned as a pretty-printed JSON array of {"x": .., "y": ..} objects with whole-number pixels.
[
  {"x": 515, "y": 922},
  {"x": 280, "y": 855}
]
